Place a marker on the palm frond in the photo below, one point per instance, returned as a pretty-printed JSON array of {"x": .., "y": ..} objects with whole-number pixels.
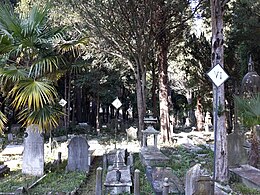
[
  {"x": 5, "y": 44},
  {"x": 9, "y": 23},
  {"x": 46, "y": 117},
  {"x": 47, "y": 64},
  {"x": 33, "y": 94},
  {"x": 75, "y": 47},
  {"x": 12, "y": 75},
  {"x": 3, "y": 121},
  {"x": 249, "y": 109}
]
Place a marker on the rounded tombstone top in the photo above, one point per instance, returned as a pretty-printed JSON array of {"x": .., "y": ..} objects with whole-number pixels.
[{"x": 251, "y": 81}]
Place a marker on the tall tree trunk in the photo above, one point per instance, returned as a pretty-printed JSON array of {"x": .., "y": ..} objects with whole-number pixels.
[
  {"x": 217, "y": 54},
  {"x": 69, "y": 100},
  {"x": 140, "y": 103},
  {"x": 154, "y": 87},
  {"x": 97, "y": 117},
  {"x": 79, "y": 100},
  {"x": 163, "y": 48}
]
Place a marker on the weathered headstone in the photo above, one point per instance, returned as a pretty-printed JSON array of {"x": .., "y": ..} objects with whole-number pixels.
[
  {"x": 131, "y": 133},
  {"x": 33, "y": 155},
  {"x": 196, "y": 183},
  {"x": 237, "y": 154},
  {"x": 119, "y": 160},
  {"x": 112, "y": 155},
  {"x": 10, "y": 137},
  {"x": 78, "y": 154},
  {"x": 156, "y": 176},
  {"x": 15, "y": 129}
]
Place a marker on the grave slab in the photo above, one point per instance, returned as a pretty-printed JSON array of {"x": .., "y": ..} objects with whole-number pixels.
[
  {"x": 246, "y": 174},
  {"x": 152, "y": 156},
  {"x": 13, "y": 150},
  {"x": 118, "y": 187}
]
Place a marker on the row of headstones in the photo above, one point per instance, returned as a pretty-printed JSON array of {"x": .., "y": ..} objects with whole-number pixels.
[{"x": 33, "y": 156}]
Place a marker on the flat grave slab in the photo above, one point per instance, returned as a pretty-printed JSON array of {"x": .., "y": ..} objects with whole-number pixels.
[
  {"x": 118, "y": 187},
  {"x": 248, "y": 175},
  {"x": 152, "y": 156},
  {"x": 13, "y": 150}
]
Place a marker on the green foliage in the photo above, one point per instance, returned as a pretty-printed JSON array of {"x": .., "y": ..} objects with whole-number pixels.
[
  {"x": 67, "y": 182},
  {"x": 28, "y": 59},
  {"x": 249, "y": 109},
  {"x": 182, "y": 159},
  {"x": 243, "y": 36},
  {"x": 14, "y": 180},
  {"x": 242, "y": 189}
]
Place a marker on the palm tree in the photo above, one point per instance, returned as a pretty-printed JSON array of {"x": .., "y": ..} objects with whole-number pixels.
[
  {"x": 28, "y": 61},
  {"x": 249, "y": 113}
]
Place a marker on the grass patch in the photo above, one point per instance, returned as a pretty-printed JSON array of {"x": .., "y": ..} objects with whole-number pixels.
[
  {"x": 59, "y": 182},
  {"x": 56, "y": 180},
  {"x": 242, "y": 189},
  {"x": 10, "y": 182},
  {"x": 181, "y": 159}
]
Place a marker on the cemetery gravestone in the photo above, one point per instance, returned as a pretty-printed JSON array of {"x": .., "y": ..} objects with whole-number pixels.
[
  {"x": 198, "y": 184},
  {"x": 131, "y": 133},
  {"x": 156, "y": 176},
  {"x": 33, "y": 156},
  {"x": 237, "y": 154},
  {"x": 78, "y": 154}
]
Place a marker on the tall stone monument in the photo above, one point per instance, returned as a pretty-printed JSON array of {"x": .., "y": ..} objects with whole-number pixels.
[{"x": 33, "y": 155}]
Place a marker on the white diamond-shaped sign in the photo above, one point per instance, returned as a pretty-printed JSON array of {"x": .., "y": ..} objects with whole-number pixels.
[
  {"x": 116, "y": 103},
  {"x": 62, "y": 102},
  {"x": 218, "y": 75}
]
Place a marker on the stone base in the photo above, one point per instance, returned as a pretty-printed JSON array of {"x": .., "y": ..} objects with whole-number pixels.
[
  {"x": 151, "y": 156},
  {"x": 248, "y": 175}
]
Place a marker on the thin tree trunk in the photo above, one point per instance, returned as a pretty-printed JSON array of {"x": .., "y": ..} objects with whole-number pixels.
[
  {"x": 154, "y": 96},
  {"x": 97, "y": 117},
  {"x": 69, "y": 99},
  {"x": 217, "y": 54},
  {"x": 140, "y": 103}
]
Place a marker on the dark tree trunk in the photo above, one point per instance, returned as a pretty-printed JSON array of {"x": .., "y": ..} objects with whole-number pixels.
[
  {"x": 154, "y": 87},
  {"x": 162, "y": 42}
]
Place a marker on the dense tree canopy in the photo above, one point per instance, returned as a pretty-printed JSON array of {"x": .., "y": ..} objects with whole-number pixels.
[{"x": 122, "y": 39}]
